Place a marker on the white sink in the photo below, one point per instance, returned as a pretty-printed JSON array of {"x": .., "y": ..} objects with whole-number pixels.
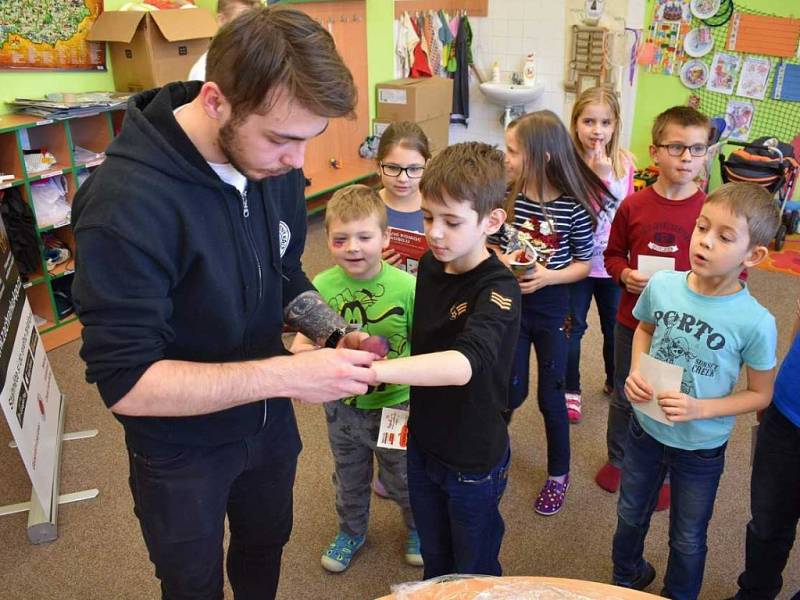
[{"x": 509, "y": 94}]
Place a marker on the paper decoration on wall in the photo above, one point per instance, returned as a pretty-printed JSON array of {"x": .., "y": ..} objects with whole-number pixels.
[
  {"x": 753, "y": 79},
  {"x": 694, "y": 74},
  {"x": 759, "y": 34},
  {"x": 672, "y": 11},
  {"x": 704, "y": 9},
  {"x": 738, "y": 119},
  {"x": 698, "y": 42},
  {"x": 723, "y": 73},
  {"x": 667, "y": 39},
  {"x": 787, "y": 83}
]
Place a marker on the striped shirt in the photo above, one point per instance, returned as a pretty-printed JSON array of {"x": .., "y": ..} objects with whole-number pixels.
[{"x": 565, "y": 226}]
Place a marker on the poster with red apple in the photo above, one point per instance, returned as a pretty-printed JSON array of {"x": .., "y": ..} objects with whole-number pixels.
[{"x": 29, "y": 395}]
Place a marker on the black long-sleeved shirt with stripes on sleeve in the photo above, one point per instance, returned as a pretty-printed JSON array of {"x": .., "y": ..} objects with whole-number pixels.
[{"x": 476, "y": 313}]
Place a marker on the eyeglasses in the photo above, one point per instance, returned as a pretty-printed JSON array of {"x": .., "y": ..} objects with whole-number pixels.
[
  {"x": 678, "y": 149},
  {"x": 412, "y": 172}
]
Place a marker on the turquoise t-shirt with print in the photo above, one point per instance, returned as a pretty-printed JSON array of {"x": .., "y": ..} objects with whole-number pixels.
[
  {"x": 383, "y": 305},
  {"x": 711, "y": 337}
]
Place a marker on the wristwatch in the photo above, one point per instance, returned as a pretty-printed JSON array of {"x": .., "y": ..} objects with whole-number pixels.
[{"x": 338, "y": 333}]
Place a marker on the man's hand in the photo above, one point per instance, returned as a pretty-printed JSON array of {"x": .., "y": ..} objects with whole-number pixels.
[
  {"x": 680, "y": 407},
  {"x": 634, "y": 281},
  {"x": 325, "y": 375},
  {"x": 352, "y": 340},
  {"x": 637, "y": 389}
]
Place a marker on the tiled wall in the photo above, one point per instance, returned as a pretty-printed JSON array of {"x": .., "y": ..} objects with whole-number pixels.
[{"x": 512, "y": 29}]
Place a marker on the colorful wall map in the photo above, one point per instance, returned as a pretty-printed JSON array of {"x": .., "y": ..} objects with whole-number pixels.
[{"x": 50, "y": 34}]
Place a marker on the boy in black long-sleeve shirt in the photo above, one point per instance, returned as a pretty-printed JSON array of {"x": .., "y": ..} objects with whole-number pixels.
[{"x": 466, "y": 313}]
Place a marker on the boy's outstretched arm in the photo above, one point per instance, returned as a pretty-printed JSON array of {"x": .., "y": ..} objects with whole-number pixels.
[
  {"x": 449, "y": 367},
  {"x": 682, "y": 407}
]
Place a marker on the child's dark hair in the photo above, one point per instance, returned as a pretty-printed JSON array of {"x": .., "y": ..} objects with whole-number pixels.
[
  {"x": 468, "y": 172},
  {"x": 550, "y": 156},
  {"x": 355, "y": 202},
  {"x": 755, "y": 204},
  {"x": 405, "y": 134},
  {"x": 683, "y": 116}
]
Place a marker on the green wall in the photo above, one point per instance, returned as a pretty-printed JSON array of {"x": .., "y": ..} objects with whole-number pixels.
[
  {"x": 656, "y": 93},
  {"x": 32, "y": 84}
]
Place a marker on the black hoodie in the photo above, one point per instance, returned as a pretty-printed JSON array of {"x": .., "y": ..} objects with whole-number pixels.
[{"x": 170, "y": 267}]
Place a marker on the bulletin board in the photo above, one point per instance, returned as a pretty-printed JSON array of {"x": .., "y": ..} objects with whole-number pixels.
[{"x": 779, "y": 118}]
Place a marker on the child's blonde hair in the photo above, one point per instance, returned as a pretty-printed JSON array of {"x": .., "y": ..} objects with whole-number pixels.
[
  {"x": 683, "y": 116},
  {"x": 355, "y": 202},
  {"x": 600, "y": 95},
  {"x": 550, "y": 156},
  {"x": 755, "y": 204}
]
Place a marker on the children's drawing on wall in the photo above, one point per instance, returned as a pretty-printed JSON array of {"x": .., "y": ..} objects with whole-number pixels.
[
  {"x": 738, "y": 119},
  {"x": 672, "y": 10},
  {"x": 753, "y": 80},
  {"x": 723, "y": 73}
]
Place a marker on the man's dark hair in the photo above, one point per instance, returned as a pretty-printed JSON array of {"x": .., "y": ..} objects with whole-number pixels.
[{"x": 266, "y": 50}]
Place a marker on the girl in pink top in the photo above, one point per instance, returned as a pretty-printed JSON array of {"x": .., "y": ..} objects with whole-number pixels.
[{"x": 595, "y": 127}]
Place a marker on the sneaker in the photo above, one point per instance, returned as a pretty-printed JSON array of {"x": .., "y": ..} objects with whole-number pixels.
[
  {"x": 340, "y": 551},
  {"x": 413, "y": 554},
  {"x": 56, "y": 256},
  {"x": 573, "y": 401},
  {"x": 378, "y": 488},
  {"x": 551, "y": 497},
  {"x": 645, "y": 577},
  {"x": 663, "y": 498},
  {"x": 608, "y": 478}
]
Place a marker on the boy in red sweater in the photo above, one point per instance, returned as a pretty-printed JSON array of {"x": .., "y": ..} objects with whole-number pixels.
[{"x": 651, "y": 231}]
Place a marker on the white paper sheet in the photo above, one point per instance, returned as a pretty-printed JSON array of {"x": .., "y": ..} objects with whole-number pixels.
[
  {"x": 394, "y": 429},
  {"x": 662, "y": 377},
  {"x": 652, "y": 264}
]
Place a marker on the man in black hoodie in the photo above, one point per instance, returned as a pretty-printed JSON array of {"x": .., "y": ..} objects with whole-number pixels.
[{"x": 189, "y": 239}]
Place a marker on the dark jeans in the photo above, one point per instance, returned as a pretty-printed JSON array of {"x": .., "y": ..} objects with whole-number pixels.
[
  {"x": 619, "y": 410},
  {"x": 606, "y": 294},
  {"x": 182, "y": 496},
  {"x": 543, "y": 315},
  {"x": 775, "y": 504},
  {"x": 457, "y": 514},
  {"x": 695, "y": 477}
]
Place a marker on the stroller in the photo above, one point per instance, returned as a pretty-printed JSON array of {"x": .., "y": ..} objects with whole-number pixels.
[{"x": 772, "y": 165}]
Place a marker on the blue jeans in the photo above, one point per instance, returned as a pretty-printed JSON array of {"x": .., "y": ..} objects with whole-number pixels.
[
  {"x": 182, "y": 494},
  {"x": 619, "y": 410},
  {"x": 543, "y": 315},
  {"x": 695, "y": 477},
  {"x": 606, "y": 294},
  {"x": 775, "y": 504},
  {"x": 457, "y": 514}
]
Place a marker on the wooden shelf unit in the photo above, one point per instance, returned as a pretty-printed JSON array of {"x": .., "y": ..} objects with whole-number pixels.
[{"x": 17, "y": 132}]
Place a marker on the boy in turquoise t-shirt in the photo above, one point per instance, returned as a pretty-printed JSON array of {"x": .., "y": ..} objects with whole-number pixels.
[
  {"x": 379, "y": 298},
  {"x": 706, "y": 322}
]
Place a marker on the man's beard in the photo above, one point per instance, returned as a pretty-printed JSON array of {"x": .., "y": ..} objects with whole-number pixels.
[{"x": 229, "y": 144}]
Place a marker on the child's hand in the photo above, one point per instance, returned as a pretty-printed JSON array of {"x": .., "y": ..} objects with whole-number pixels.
[
  {"x": 599, "y": 161},
  {"x": 534, "y": 279},
  {"x": 637, "y": 389},
  {"x": 679, "y": 406},
  {"x": 635, "y": 281},
  {"x": 391, "y": 257}
]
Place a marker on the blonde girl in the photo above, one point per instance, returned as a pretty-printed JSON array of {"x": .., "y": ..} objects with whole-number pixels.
[{"x": 595, "y": 127}]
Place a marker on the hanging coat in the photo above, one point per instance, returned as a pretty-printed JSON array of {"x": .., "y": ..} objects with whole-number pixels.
[{"x": 460, "y": 112}]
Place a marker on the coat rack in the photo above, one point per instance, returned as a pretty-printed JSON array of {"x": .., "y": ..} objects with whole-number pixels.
[{"x": 473, "y": 8}]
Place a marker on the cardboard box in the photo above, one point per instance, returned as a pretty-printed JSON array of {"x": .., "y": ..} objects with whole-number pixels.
[
  {"x": 150, "y": 49},
  {"x": 436, "y": 129},
  {"x": 414, "y": 99}
]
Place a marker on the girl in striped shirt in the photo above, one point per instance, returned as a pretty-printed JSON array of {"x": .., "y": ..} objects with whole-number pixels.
[{"x": 551, "y": 215}]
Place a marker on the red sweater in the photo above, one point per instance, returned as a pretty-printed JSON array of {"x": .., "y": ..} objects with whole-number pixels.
[{"x": 648, "y": 223}]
